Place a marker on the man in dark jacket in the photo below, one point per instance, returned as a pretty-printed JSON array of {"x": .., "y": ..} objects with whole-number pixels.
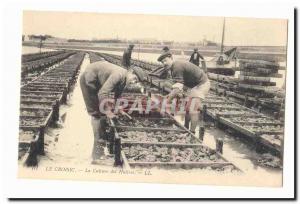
[
  {"x": 127, "y": 56},
  {"x": 195, "y": 57},
  {"x": 97, "y": 82},
  {"x": 193, "y": 78}
]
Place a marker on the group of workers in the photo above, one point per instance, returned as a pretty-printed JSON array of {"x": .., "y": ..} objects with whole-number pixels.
[{"x": 100, "y": 79}]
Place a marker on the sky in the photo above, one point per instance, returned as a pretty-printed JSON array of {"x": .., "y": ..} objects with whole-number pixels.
[{"x": 77, "y": 25}]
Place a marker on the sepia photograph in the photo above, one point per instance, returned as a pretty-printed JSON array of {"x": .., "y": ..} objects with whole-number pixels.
[{"x": 150, "y": 98}]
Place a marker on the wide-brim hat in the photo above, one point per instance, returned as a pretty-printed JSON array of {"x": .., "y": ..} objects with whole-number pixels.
[
  {"x": 131, "y": 46},
  {"x": 164, "y": 55}
]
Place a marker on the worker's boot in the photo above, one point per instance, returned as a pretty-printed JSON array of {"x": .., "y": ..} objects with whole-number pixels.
[
  {"x": 98, "y": 154},
  {"x": 101, "y": 149},
  {"x": 194, "y": 122},
  {"x": 187, "y": 121},
  {"x": 99, "y": 146}
]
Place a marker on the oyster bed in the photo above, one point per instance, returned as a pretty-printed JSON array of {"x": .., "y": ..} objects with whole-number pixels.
[
  {"x": 156, "y": 153},
  {"x": 158, "y": 136},
  {"x": 147, "y": 122}
]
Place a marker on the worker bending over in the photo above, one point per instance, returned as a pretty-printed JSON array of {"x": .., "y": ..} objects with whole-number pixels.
[
  {"x": 97, "y": 82},
  {"x": 192, "y": 77}
]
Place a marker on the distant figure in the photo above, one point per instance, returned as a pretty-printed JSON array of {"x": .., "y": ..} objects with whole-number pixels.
[
  {"x": 182, "y": 53},
  {"x": 227, "y": 56},
  {"x": 127, "y": 56},
  {"x": 221, "y": 60},
  {"x": 195, "y": 57}
]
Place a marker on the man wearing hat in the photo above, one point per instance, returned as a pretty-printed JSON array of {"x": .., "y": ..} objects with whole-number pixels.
[
  {"x": 195, "y": 57},
  {"x": 97, "y": 82},
  {"x": 166, "y": 49},
  {"x": 127, "y": 56},
  {"x": 193, "y": 79}
]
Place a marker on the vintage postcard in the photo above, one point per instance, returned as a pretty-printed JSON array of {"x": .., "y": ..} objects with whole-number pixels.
[{"x": 153, "y": 98}]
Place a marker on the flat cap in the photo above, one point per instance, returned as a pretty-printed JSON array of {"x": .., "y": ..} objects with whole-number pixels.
[
  {"x": 166, "y": 48},
  {"x": 164, "y": 55}
]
